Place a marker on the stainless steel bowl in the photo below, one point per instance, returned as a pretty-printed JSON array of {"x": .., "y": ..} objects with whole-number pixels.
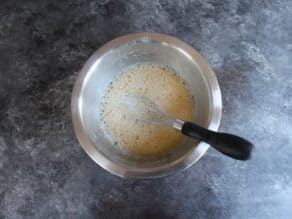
[{"x": 105, "y": 64}]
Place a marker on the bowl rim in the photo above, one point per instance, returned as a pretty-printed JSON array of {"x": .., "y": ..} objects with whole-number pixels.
[{"x": 133, "y": 172}]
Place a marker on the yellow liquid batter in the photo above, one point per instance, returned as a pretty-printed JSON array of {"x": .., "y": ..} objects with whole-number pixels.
[{"x": 163, "y": 86}]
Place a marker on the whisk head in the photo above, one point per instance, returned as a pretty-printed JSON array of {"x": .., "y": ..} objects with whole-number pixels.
[{"x": 145, "y": 110}]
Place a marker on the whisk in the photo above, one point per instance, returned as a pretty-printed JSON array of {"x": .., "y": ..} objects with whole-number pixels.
[{"x": 145, "y": 110}]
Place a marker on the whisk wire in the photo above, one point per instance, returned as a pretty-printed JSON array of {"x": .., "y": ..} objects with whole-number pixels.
[{"x": 145, "y": 110}]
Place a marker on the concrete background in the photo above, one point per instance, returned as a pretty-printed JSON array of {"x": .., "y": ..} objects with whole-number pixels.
[{"x": 44, "y": 172}]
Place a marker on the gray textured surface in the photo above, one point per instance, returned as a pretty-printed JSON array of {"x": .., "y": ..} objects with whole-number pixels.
[{"x": 44, "y": 173}]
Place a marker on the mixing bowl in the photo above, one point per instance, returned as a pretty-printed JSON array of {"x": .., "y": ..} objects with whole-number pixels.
[{"x": 100, "y": 70}]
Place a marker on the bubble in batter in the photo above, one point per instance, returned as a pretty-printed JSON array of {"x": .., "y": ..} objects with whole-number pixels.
[{"x": 163, "y": 86}]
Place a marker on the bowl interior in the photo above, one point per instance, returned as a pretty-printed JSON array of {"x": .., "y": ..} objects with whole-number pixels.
[{"x": 102, "y": 71}]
